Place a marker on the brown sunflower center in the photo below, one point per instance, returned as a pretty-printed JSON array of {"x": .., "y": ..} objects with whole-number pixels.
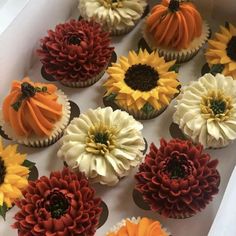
[
  {"x": 2, "y": 171},
  {"x": 74, "y": 39},
  {"x": 178, "y": 167},
  {"x": 141, "y": 77},
  {"x": 231, "y": 48},
  {"x": 216, "y": 105},
  {"x": 174, "y": 5},
  {"x": 100, "y": 139},
  {"x": 57, "y": 204}
]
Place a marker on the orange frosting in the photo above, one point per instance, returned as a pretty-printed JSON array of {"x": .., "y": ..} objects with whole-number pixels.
[
  {"x": 145, "y": 227},
  {"x": 36, "y": 114},
  {"x": 174, "y": 29}
]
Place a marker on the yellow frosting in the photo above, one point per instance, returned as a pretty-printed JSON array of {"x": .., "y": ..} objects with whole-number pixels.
[
  {"x": 158, "y": 97},
  {"x": 217, "y": 50}
]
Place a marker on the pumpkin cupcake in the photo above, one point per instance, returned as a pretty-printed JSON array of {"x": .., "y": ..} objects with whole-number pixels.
[
  {"x": 104, "y": 144},
  {"x": 142, "y": 84},
  {"x": 34, "y": 114},
  {"x": 14, "y": 173},
  {"x": 177, "y": 180},
  {"x": 138, "y": 227},
  {"x": 221, "y": 52},
  {"x": 176, "y": 29},
  {"x": 118, "y": 17},
  {"x": 206, "y": 111},
  {"x": 76, "y": 53}
]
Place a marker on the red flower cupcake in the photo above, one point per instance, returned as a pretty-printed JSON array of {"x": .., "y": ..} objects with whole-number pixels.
[
  {"x": 61, "y": 205},
  {"x": 177, "y": 180},
  {"x": 76, "y": 53}
]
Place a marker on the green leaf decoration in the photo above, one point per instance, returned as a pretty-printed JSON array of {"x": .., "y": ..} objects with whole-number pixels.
[
  {"x": 28, "y": 164},
  {"x": 217, "y": 68},
  {"x": 3, "y": 211},
  {"x": 175, "y": 68},
  {"x": 111, "y": 97},
  {"x": 147, "y": 108},
  {"x": 227, "y": 24}
]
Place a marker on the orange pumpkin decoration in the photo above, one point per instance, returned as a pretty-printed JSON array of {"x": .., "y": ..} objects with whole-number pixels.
[
  {"x": 174, "y": 24},
  {"x": 32, "y": 108}
]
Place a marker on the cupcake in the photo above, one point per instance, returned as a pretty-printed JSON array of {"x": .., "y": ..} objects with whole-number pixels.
[
  {"x": 177, "y": 179},
  {"x": 34, "y": 114},
  {"x": 104, "y": 144},
  {"x": 138, "y": 227},
  {"x": 142, "y": 84},
  {"x": 63, "y": 204},
  {"x": 14, "y": 173},
  {"x": 206, "y": 111},
  {"x": 176, "y": 29},
  {"x": 76, "y": 53},
  {"x": 221, "y": 52},
  {"x": 118, "y": 17}
]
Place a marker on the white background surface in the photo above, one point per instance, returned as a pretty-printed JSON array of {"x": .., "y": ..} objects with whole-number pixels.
[{"x": 119, "y": 198}]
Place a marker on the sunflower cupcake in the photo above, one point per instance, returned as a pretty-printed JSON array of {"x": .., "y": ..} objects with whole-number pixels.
[
  {"x": 34, "y": 114},
  {"x": 138, "y": 227},
  {"x": 206, "y": 111},
  {"x": 76, "y": 53},
  {"x": 142, "y": 84},
  {"x": 104, "y": 144},
  {"x": 118, "y": 17},
  {"x": 14, "y": 173},
  {"x": 221, "y": 52},
  {"x": 176, "y": 30},
  {"x": 62, "y": 204},
  {"x": 177, "y": 180}
]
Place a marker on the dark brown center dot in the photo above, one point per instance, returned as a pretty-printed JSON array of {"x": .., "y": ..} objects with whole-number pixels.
[
  {"x": 101, "y": 138},
  {"x": 141, "y": 77},
  {"x": 177, "y": 167},
  {"x": 231, "y": 48},
  {"x": 174, "y": 5},
  {"x": 74, "y": 40},
  {"x": 218, "y": 106},
  {"x": 57, "y": 204},
  {"x": 2, "y": 171}
]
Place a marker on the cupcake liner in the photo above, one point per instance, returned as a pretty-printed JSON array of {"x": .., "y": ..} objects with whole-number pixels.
[
  {"x": 83, "y": 84},
  {"x": 118, "y": 32},
  {"x": 183, "y": 55},
  {"x": 57, "y": 132}
]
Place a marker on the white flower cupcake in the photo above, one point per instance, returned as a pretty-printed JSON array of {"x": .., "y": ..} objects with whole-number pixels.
[
  {"x": 104, "y": 144},
  {"x": 118, "y": 17},
  {"x": 206, "y": 111}
]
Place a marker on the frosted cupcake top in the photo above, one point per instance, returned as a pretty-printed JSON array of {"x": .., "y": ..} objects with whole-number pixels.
[
  {"x": 206, "y": 111},
  {"x": 118, "y": 14},
  {"x": 32, "y": 108},
  {"x": 104, "y": 144}
]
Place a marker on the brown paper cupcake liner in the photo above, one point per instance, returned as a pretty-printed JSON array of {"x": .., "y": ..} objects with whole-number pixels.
[
  {"x": 183, "y": 55},
  {"x": 35, "y": 141}
]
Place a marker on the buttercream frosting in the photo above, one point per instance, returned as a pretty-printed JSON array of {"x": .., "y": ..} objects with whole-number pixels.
[
  {"x": 113, "y": 15},
  {"x": 206, "y": 111},
  {"x": 31, "y": 108},
  {"x": 174, "y": 24},
  {"x": 104, "y": 144},
  {"x": 138, "y": 227},
  {"x": 136, "y": 92}
]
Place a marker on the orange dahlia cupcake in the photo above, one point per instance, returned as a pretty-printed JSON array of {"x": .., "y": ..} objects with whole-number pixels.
[
  {"x": 138, "y": 227},
  {"x": 221, "y": 52},
  {"x": 176, "y": 29},
  {"x": 34, "y": 114}
]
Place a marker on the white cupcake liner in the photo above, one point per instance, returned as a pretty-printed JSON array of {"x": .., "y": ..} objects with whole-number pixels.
[
  {"x": 83, "y": 84},
  {"x": 33, "y": 140},
  {"x": 183, "y": 55},
  {"x": 134, "y": 220}
]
